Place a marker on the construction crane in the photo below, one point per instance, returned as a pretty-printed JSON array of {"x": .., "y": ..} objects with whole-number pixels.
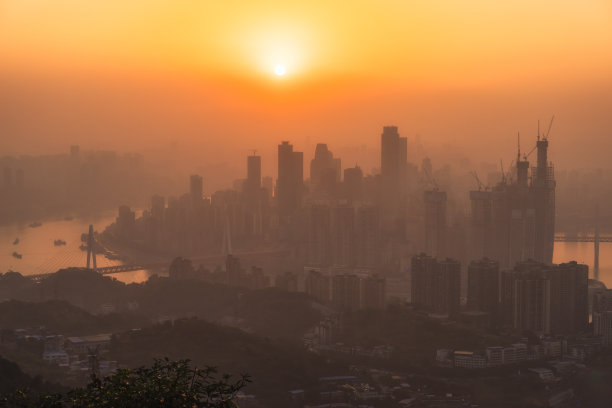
[
  {"x": 481, "y": 186},
  {"x": 549, "y": 127},
  {"x": 431, "y": 180}
]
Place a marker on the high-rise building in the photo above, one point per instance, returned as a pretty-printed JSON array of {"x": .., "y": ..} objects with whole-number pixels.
[
  {"x": 346, "y": 292},
  {"x": 253, "y": 197},
  {"x": 319, "y": 235},
  {"x": 480, "y": 229},
  {"x": 435, "y": 223},
  {"x": 546, "y": 298},
  {"x": 447, "y": 287},
  {"x": 343, "y": 235},
  {"x": 515, "y": 221},
  {"x": 324, "y": 170},
  {"x": 569, "y": 298},
  {"x": 483, "y": 286},
  {"x": 196, "y": 188},
  {"x": 393, "y": 169},
  {"x": 367, "y": 236},
  {"x": 252, "y": 184},
  {"x": 353, "y": 184},
  {"x": 544, "y": 197},
  {"x": 158, "y": 204},
  {"x": 290, "y": 181},
  {"x": 126, "y": 221},
  {"x": 436, "y": 285},
  {"x": 602, "y": 326}
]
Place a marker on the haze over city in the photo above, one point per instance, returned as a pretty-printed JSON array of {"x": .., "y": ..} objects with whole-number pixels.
[{"x": 383, "y": 204}]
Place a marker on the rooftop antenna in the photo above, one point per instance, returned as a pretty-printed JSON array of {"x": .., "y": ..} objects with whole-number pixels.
[
  {"x": 501, "y": 163},
  {"x": 518, "y": 156},
  {"x": 254, "y": 151},
  {"x": 538, "y": 130}
]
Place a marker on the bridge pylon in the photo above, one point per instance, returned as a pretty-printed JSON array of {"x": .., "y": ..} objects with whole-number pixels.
[{"x": 91, "y": 250}]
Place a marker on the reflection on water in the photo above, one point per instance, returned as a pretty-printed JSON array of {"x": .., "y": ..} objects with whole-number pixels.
[
  {"x": 582, "y": 252},
  {"x": 40, "y": 255}
]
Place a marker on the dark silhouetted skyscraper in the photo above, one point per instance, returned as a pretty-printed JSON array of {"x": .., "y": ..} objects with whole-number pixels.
[
  {"x": 289, "y": 185},
  {"x": 196, "y": 188},
  {"x": 393, "y": 169},
  {"x": 546, "y": 298},
  {"x": 343, "y": 235},
  {"x": 353, "y": 183},
  {"x": 436, "y": 285},
  {"x": 319, "y": 235},
  {"x": 367, "y": 236},
  {"x": 324, "y": 170},
  {"x": 483, "y": 286}
]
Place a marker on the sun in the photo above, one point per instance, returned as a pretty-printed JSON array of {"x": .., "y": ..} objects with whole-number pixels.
[{"x": 280, "y": 70}]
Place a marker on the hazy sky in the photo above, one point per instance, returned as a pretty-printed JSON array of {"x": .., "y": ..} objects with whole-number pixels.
[{"x": 145, "y": 73}]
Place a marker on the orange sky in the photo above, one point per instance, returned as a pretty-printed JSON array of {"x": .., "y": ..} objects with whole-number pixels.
[{"x": 127, "y": 74}]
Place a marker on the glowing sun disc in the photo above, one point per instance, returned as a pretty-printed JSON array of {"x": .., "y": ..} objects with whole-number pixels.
[{"x": 280, "y": 70}]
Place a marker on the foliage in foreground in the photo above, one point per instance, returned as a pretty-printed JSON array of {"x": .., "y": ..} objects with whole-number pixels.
[{"x": 167, "y": 383}]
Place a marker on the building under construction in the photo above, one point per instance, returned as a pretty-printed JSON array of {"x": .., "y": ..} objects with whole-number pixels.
[{"x": 515, "y": 220}]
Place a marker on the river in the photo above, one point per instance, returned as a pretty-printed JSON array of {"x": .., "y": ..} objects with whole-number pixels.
[{"x": 40, "y": 255}]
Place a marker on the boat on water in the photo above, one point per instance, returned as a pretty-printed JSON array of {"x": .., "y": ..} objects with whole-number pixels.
[
  {"x": 16, "y": 241},
  {"x": 17, "y": 255},
  {"x": 35, "y": 224},
  {"x": 59, "y": 242}
]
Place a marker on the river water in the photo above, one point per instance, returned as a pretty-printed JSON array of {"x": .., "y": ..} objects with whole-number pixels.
[{"x": 40, "y": 255}]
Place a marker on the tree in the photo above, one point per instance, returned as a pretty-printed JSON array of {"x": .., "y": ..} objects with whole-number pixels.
[{"x": 167, "y": 384}]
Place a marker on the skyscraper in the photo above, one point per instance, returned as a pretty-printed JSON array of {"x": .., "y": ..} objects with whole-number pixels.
[
  {"x": 252, "y": 184},
  {"x": 483, "y": 286},
  {"x": 393, "y": 169},
  {"x": 324, "y": 170},
  {"x": 436, "y": 286},
  {"x": 290, "y": 179},
  {"x": 196, "y": 188},
  {"x": 546, "y": 298},
  {"x": 319, "y": 235},
  {"x": 367, "y": 236},
  {"x": 253, "y": 217},
  {"x": 514, "y": 222},
  {"x": 353, "y": 183},
  {"x": 343, "y": 235}
]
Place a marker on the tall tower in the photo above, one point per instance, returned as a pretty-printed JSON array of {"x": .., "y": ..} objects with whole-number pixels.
[
  {"x": 435, "y": 223},
  {"x": 252, "y": 185},
  {"x": 324, "y": 170},
  {"x": 544, "y": 198},
  {"x": 196, "y": 188},
  {"x": 290, "y": 181},
  {"x": 91, "y": 249},
  {"x": 393, "y": 161}
]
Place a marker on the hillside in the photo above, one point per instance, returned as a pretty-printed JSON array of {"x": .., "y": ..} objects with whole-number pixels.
[{"x": 276, "y": 367}]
